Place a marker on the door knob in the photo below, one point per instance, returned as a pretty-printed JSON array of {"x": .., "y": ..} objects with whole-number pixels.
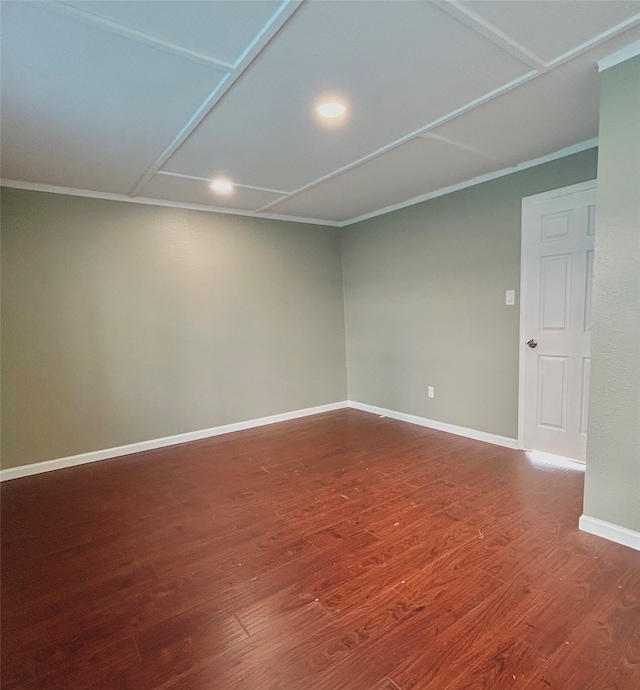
[{"x": 532, "y": 343}]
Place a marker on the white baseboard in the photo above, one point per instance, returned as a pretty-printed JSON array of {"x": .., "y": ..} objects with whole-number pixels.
[
  {"x": 108, "y": 453},
  {"x": 607, "y": 530},
  {"x": 440, "y": 426}
]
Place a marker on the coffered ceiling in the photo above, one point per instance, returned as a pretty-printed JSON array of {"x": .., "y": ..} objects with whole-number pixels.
[{"x": 152, "y": 100}]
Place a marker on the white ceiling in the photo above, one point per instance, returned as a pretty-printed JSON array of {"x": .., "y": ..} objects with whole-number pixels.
[{"x": 151, "y": 100}]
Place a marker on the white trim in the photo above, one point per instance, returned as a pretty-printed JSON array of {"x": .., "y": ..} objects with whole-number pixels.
[
  {"x": 109, "y": 196},
  {"x": 562, "y": 153},
  {"x": 560, "y": 192},
  {"x": 71, "y": 191},
  {"x": 131, "y": 33},
  {"x": 607, "y": 530},
  {"x": 626, "y": 53},
  {"x": 273, "y": 25},
  {"x": 183, "y": 176},
  {"x": 481, "y": 26},
  {"x": 463, "y": 147},
  {"x": 108, "y": 453},
  {"x": 624, "y": 25},
  {"x": 527, "y": 203},
  {"x": 505, "y": 88},
  {"x": 487, "y": 30},
  {"x": 440, "y": 426}
]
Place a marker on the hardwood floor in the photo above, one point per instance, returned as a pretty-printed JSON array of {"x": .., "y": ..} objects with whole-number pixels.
[{"x": 339, "y": 551}]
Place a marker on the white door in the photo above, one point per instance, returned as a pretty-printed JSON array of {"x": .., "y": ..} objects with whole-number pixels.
[{"x": 558, "y": 231}]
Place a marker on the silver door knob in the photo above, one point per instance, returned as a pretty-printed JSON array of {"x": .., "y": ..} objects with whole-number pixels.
[{"x": 532, "y": 343}]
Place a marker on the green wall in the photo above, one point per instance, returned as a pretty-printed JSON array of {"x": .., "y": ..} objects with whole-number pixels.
[
  {"x": 125, "y": 323},
  {"x": 425, "y": 300},
  {"x": 612, "y": 483}
]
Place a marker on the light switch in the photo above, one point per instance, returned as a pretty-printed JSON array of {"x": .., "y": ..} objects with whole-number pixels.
[{"x": 510, "y": 297}]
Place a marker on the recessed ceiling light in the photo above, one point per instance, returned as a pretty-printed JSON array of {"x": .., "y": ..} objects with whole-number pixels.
[
  {"x": 222, "y": 186},
  {"x": 331, "y": 110}
]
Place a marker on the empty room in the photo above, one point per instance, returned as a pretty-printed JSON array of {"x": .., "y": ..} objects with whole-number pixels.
[{"x": 320, "y": 344}]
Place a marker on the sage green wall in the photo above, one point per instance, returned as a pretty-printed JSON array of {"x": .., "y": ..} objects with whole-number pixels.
[
  {"x": 612, "y": 483},
  {"x": 424, "y": 300},
  {"x": 124, "y": 323}
]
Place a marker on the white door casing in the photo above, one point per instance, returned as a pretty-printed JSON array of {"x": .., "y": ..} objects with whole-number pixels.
[{"x": 558, "y": 232}]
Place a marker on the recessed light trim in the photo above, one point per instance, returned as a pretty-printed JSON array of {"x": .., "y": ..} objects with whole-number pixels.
[
  {"x": 331, "y": 110},
  {"x": 222, "y": 186}
]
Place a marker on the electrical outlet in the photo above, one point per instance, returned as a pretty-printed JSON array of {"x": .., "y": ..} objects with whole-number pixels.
[{"x": 430, "y": 391}]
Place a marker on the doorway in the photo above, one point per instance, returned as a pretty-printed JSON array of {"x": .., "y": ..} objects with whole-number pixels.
[{"x": 558, "y": 233}]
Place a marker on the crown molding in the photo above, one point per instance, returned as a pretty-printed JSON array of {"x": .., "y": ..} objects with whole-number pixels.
[
  {"x": 148, "y": 201},
  {"x": 562, "y": 153},
  {"x": 626, "y": 53},
  {"x": 70, "y": 191}
]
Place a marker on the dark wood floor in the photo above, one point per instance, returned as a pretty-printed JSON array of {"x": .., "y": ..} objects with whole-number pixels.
[{"x": 340, "y": 551}]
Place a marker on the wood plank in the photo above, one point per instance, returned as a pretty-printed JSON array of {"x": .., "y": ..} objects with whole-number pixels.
[
  {"x": 341, "y": 551},
  {"x": 574, "y": 601},
  {"x": 482, "y": 633},
  {"x": 508, "y": 665}
]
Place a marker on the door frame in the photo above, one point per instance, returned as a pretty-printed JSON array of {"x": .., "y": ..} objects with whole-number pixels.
[{"x": 525, "y": 225}]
